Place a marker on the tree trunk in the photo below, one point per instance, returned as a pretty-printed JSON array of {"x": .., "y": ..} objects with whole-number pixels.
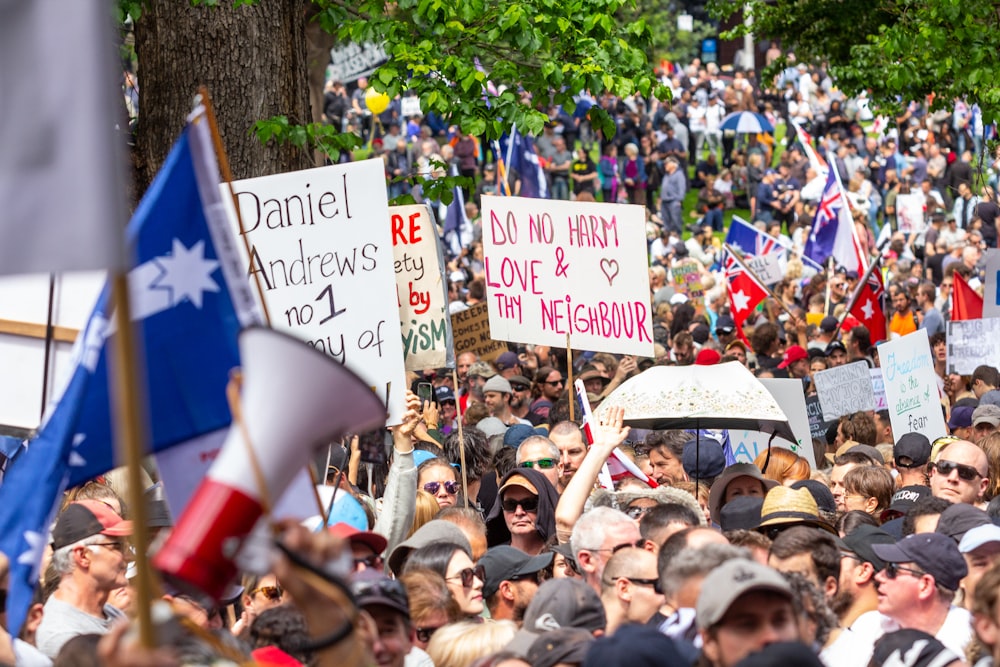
[{"x": 251, "y": 58}]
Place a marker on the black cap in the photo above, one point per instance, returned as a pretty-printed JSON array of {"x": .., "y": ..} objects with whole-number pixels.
[
  {"x": 957, "y": 520},
  {"x": 504, "y": 563},
  {"x": 781, "y": 654},
  {"x": 634, "y": 646},
  {"x": 914, "y": 447},
  {"x": 835, "y": 346},
  {"x": 860, "y": 540},
  {"x": 820, "y": 492},
  {"x": 828, "y": 324},
  {"x": 725, "y": 325},
  {"x": 741, "y": 513},
  {"x": 934, "y": 553},
  {"x": 904, "y": 499},
  {"x": 560, "y": 646},
  {"x": 911, "y": 648},
  {"x": 373, "y": 589}
]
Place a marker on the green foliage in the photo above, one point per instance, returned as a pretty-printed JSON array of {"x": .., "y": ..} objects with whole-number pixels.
[
  {"x": 667, "y": 42},
  {"x": 447, "y": 52},
  {"x": 899, "y": 50},
  {"x": 312, "y": 136}
]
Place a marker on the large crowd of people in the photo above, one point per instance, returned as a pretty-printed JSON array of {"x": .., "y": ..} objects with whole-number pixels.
[{"x": 497, "y": 545}]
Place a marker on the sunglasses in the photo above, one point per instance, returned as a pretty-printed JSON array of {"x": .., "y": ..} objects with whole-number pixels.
[
  {"x": 424, "y": 634},
  {"x": 270, "y": 592},
  {"x": 469, "y": 575},
  {"x": 451, "y": 488},
  {"x": 543, "y": 464},
  {"x": 509, "y": 505},
  {"x": 554, "y": 383},
  {"x": 966, "y": 473},
  {"x": 372, "y": 561},
  {"x": 519, "y": 387},
  {"x": 892, "y": 571},
  {"x": 655, "y": 583}
]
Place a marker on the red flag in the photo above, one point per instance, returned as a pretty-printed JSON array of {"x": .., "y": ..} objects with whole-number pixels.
[
  {"x": 869, "y": 305},
  {"x": 965, "y": 303},
  {"x": 745, "y": 293}
]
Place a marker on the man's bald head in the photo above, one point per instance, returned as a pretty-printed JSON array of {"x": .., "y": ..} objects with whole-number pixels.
[
  {"x": 960, "y": 473},
  {"x": 630, "y": 563}
]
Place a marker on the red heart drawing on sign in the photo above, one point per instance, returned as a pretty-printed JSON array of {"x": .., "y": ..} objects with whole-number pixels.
[{"x": 610, "y": 269}]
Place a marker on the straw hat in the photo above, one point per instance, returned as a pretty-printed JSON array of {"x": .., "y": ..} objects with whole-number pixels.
[{"x": 784, "y": 506}]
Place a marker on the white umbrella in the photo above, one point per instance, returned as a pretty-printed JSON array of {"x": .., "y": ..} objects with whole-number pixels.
[
  {"x": 676, "y": 397},
  {"x": 746, "y": 122}
]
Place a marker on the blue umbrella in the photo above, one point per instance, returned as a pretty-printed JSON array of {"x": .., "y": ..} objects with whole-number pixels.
[{"x": 747, "y": 122}]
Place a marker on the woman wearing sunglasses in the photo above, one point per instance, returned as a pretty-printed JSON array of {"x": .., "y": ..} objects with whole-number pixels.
[
  {"x": 523, "y": 515},
  {"x": 438, "y": 478},
  {"x": 454, "y": 563}
]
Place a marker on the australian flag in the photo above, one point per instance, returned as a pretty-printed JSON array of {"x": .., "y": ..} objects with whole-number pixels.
[
  {"x": 749, "y": 240},
  {"x": 189, "y": 301},
  {"x": 522, "y": 157},
  {"x": 832, "y": 232}
]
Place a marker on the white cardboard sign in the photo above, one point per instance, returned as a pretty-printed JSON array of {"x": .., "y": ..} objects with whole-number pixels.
[
  {"x": 789, "y": 395},
  {"x": 321, "y": 248},
  {"x": 844, "y": 390},
  {"x": 911, "y": 388},
  {"x": 972, "y": 343},
  {"x": 421, "y": 291},
  {"x": 557, "y": 267}
]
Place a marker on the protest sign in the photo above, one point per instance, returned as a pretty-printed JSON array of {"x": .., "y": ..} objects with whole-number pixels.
[
  {"x": 788, "y": 393},
  {"x": 844, "y": 390},
  {"x": 878, "y": 389},
  {"x": 471, "y": 329},
  {"x": 910, "y": 213},
  {"x": 409, "y": 106},
  {"x": 558, "y": 268},
  {"x": 911, "y": 387},
  {"x": 817, "y": 425},
  {"x": 991, "y": 294},
  {"x": 350, "y": 61},
  {"x": 687, "y": 278},
  {"x": 972, "y": 343},
  {"x": 767, "y": 267},
  {"x": 24, "y": 306},
  {"x": 321, "y": 254},
  {"x": 421, "y": 290}
]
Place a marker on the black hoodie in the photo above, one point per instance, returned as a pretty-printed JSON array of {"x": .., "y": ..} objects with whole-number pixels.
[{"x": 545, "y": 524}]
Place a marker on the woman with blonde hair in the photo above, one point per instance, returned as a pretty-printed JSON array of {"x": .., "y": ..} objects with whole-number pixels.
[
  {"x": 785, "y": 466},
  {"x": 459, "y": 644},
  {"x": 426, "y": 507}
]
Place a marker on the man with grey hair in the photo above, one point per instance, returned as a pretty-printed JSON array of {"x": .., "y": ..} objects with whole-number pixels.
[
  {"x": 598, "y": 535},
  {"x": 540, "y": 453},
  {"x": 672, "y": 193},
  {"x": 89, "y": 555}
]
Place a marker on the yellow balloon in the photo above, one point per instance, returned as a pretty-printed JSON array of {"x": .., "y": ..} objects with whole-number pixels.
[{"x": 377, "y": 102}]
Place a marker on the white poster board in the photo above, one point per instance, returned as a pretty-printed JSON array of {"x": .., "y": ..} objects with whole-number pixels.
[
  {"x": 911, "y": 386},
  {"x": 878, "y": 389},
  {"x": 767, "y": 267},
  {"x": 409, "y": 106},
  {"x": 421, "y": 291},
  {"x": 789, "y": 395},
  {"x": 322, "y": 252},
  {"x": 910, "y": 213},
  {"x": 24, "y": 306},
  {"x": 972, "y": 343},
  {"x": 844, "y": 390},
  {"x": 991, "y": 295},
  {"x": 557, "y": 267}
]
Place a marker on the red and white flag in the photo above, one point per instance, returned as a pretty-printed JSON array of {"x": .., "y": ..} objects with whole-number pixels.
[
  {"x": 869, "y": 303},
  {"x": 745, "y": 291},
  {"x": 815, "y": 161},
  {"x": 619, "y": 465}
]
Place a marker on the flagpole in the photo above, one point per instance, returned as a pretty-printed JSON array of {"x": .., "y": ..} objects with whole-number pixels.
[
  {"x": 760, "y": 282},
  {"x": 130, "y": 439},
  {"x": 227, "y": 176},
  {"x": 569, "y": 375},
  {"x": 854, "y": 299},
  {"x": 829, "y": 266},
  {"x": 461, "y": 439}
]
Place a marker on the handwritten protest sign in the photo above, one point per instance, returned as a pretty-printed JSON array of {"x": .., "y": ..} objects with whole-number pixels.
[
  {"x": 579, "y": 268},
  {"x": 817, "y": 425},
  {"x": 687, "y": 278},
  {"x": 471, "y": 329},
  {"x": 421, "y": 290},
  {"x": 878, "y": 389},
  {"x": 321, "y": 252},
  {"x": 911, "y": 386},
  {"x": 788, "y": 393},
  {"x": 910, "y": 213},
  {"x": 972, "y": 343},
  {"x": 845, "y": 389},
  {"x": 767, "y": 267},
  {"x": 991, "y": 290}
]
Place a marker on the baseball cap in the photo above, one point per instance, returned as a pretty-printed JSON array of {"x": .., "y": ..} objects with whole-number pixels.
[
  {"x": 869, "y": 451},
  {"x": 559, "y": 603},
  {"x": 828, "y": 324},
  {"x": 730, "y": 581},
  {"x": 904, "y": 500},
  {"x": 518, "y": 480},
  {"x": 703, "y": 460},
  {"x": 507, "y": 360},
  {"x": 934, "y": 553},
  {"x": 911, "y": 648},
  {"x": 961, "y": 417},
  {"x": 978, "y": 536},
  {"x": 725, "y": 325},
  {"x": 505, "y": 563},
  {"x": 678, "y": 299},
  {"x": 491, "y": 426},
  {"x": 860, "y": 540},
  {"x": 346, "y": 531},
  {"x": 792, "y": 354},
  {"x": 635, "y": 645},
  {"x": 481, "y": 369},
  {"x": 519, "y": 380},
  {"x": 372, "y": 588},
  {"x": 986, "y": 414},
  {"x": 498, "y": 384},
  {"x": 518, "y": 433},
  {"x": 834, "y": 346},
  {"x": 915, "y": 447},
  {"x": 565, "y": 646},
  {"x": 432, "y": 532},
  {"x": 444, "y": 394},
  {"x": 955, "y": 521},
  {"x": 781, "y": 654},
  {"x": 86, "y": 518}
]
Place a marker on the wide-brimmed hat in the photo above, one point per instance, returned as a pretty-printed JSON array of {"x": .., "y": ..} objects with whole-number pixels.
[
  {"x": 717, "y": 494},
  {"x": 785, "y": 506}
]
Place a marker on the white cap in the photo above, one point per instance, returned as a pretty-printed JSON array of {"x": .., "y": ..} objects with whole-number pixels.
[
  {"x": 978, "y": 536},
  {"x": 678, "y": 298},
  {"x": 457, "y": 277}
]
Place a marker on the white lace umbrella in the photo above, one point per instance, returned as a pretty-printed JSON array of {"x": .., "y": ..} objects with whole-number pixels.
[{"x": 676, "y": 397}]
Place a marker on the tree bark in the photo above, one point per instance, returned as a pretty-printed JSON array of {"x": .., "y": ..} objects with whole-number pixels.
[{"x": 251, "y": 58}]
